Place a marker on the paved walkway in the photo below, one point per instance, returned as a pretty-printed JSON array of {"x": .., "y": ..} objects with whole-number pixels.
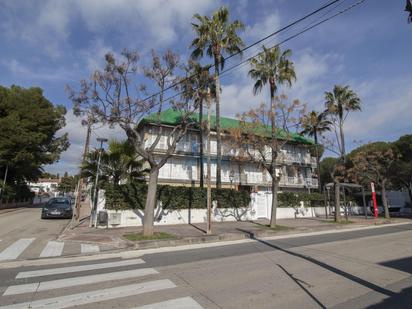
[{"x": 221, "y": 231}]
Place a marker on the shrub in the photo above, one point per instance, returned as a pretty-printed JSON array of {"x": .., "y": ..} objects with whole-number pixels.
[
  {"x": 289, "y": 199},
  {"x": 133, "y": 195},
  {"x": 293, "y": 199},
  {"x": 16, "y": 193}
]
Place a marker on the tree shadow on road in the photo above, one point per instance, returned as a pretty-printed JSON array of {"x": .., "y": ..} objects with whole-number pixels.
[{"x": 330, "y": 268}]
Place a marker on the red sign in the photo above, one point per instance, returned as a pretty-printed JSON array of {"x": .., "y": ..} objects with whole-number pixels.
[{"x": 375, "y": 204}]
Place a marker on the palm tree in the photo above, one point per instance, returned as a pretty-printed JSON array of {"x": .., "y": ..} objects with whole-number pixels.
[
  {"x": 217, "y": 36},
  {"x": 272, "y": 67},
  {"x": 118, "y": 164},
  {"x": 196, "y": 88},
  {"x": 339, "y": 103},
  {"x": 313, "y": 124}
]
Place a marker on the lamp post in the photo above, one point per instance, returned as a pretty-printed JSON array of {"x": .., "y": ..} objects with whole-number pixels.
[{"x": 101, "y": 140}]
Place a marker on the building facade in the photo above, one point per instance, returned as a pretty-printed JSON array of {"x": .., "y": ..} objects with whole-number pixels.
[{"x": 296, "y": 168}]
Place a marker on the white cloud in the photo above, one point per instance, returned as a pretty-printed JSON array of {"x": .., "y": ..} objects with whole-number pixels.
[
  {"x": 22, "y": 71},
  {"x": 48, "y": 24},
  {"x": 263, "y": 27},
  {"x": 70, "y": 159}
]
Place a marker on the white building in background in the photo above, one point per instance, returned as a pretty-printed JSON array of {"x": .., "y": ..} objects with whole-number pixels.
[
  {"x": 297, "y": 167},
  {"x": 45, "y": 185}
]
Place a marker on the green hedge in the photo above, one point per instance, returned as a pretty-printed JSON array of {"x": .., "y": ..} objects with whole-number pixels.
[
  {"x": 16, "y": 193},
  {"x": 133, "y": 195},
  {"x": 293, "y": 199}
]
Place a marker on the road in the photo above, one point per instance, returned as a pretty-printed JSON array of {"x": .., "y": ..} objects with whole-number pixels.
[
  {"x": 359, "y": 269},
  {"x": 24, "y": 235}
]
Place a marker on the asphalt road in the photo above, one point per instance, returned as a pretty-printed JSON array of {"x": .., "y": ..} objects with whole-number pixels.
[
  {"x": 362, "y": 269},
  {"x": 23, "y": 234}
]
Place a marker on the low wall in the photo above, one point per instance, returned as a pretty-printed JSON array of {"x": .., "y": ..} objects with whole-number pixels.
[
  {"x": 15, "y": 205},
  {"x": 134, "y": 217}
]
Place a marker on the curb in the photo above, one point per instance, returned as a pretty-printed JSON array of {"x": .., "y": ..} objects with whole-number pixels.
[{"x": 229, "y": 237}]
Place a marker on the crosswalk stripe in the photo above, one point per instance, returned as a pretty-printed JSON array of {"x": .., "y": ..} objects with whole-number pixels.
[
  {"x": 53, "y": 248},
  {"x": 14, "y": 250},
  {"x": 178, "y": 303},
  {"x": 72, "y": 269},
  {"x": 86, "y": 248},
  {"x": 95, "y": 296},
  {"x": 76, "y": 281}
]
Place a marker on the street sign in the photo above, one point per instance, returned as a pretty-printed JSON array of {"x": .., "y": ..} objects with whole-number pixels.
[{"x": 375, "y": 204}]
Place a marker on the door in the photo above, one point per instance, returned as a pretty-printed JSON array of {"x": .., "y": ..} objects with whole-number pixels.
[{"x": 261, "y": 205}]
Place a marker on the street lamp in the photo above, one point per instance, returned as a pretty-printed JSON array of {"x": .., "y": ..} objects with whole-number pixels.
[{"x": 101, "y": 140}]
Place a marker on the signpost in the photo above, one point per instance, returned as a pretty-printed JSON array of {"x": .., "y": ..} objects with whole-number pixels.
[{"x": 375, "y": 204}]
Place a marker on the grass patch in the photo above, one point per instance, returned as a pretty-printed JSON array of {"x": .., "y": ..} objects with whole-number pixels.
[
  {"x": 277, "y": 228},
  {"x": 140, "y": 236}
]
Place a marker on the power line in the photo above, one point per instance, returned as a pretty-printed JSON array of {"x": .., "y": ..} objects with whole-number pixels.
[
  {"x": 278, "y": 44},
  {"x": 173, "y": 85}
]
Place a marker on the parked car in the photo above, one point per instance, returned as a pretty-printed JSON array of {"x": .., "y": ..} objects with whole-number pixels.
[{"x": 57, "y": 207}]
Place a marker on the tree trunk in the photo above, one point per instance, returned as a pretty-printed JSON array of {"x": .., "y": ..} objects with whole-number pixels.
[
  {"x": 342, "y": 142},
  {"x": 148, "y": 219},
  {"x": 317, "y": 161},
  {"x": 201, "y": 143},
  {"x": 274, "y": 156},
  {"x": 274, "y": 201},
  {"x": 209, "y": 173},
  {"x": 337, "y": 202},
  {"x": 384, "y": 199},
  {"x": 218, "y": 137}
]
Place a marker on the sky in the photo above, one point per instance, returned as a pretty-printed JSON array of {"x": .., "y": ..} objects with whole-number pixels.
[{"x": 51, "y": 44}]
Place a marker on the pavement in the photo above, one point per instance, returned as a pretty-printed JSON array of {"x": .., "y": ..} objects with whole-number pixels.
[
  {"x": 363, "y": 268},
  {"x": 187, "y": 234}
]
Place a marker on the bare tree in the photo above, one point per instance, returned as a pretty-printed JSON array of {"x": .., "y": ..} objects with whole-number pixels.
[
  {"x": 112, "y": 95},
  {"x": 256, "y": 141}
]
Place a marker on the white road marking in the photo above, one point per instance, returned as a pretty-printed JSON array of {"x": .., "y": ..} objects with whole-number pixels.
[
  {"x": 85, "y": 248},
  {"x": 76, "y": 281},
  {"x": 53, "y": 248},
  {"x": 65, "y": 260},
  {"x": 178, "y": 303},
  {"x": 72, "y": 269},
  {"x": 14, "y": 250},
  {"x": 95, "y": 296}
]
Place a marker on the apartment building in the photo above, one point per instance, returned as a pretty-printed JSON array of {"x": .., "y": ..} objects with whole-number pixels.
[{"x": 297, "y": 167}]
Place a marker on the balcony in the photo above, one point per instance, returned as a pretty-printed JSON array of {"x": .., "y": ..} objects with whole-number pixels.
[{"x": 299, "y": 182}]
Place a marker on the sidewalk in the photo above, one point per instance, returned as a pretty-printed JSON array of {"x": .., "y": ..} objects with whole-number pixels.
[{"x": 186, "y": 234}]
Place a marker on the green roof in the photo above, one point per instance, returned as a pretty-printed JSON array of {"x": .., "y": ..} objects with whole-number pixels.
[{"x": 172, "y": 117}]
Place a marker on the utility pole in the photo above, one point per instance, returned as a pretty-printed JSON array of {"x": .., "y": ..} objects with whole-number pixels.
[
  {"x": 80, "y": 182},
  {"x": 96, "y": 191},
  {"x": 209, "y": 188}
]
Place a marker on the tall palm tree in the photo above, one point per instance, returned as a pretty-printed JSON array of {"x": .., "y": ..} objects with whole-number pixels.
[
  {"x": 339, "y": 103},
  {"x": 217, "y": 36},
  {"x": 196, "y": 89},
  {"x": 272, "y": 67},
  {"x": 315, "y": 124}
]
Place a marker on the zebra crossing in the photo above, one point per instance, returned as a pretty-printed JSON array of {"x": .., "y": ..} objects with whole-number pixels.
[
  {"x": 33, "y": 248},
  {"x": 123, "y": 283}
]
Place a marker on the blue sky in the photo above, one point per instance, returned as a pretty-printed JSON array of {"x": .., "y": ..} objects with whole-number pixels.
[{"x": 50, "y": 44}]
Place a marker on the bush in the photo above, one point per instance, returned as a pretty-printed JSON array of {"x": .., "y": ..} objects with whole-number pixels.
[
  {"x": 133, "y": 195},
  {"x": 293, "y": 199},
  {"x": 289, "y": 199},
  {"x": 16, "y": 193}
]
